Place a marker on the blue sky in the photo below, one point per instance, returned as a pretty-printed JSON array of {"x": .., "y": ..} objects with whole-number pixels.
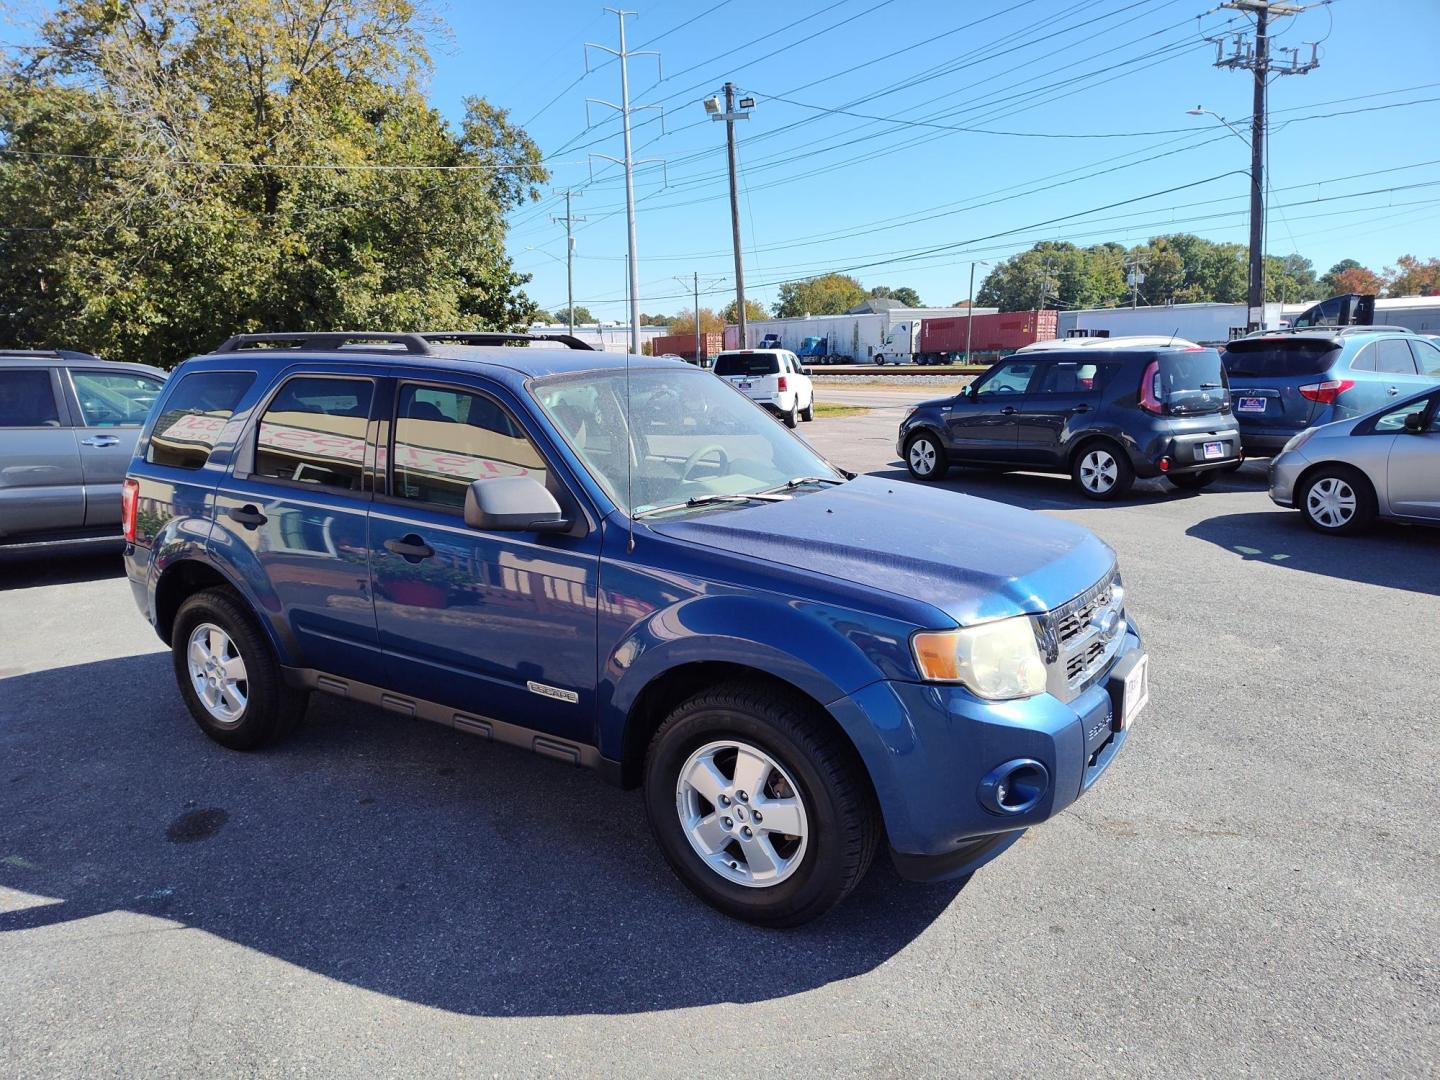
[
  {"x": 812, "y": 203},
  {"x": 855, "y": 158}
]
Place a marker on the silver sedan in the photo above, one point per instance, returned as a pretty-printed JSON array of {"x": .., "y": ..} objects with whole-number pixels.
[{"x": 1384, "y": 464}]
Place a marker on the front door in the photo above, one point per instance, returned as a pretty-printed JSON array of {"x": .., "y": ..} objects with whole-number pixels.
[
  {"x": 112, "y": 406},
  {"x": 980, "y": 424},
  {"x": 1413, "y": 471},
  {"x": 41, "y": 487},
  {"x": 294, "y": 517},
  {"x": 1065, "y": 395},
  {"x": 500, "y": 625}
]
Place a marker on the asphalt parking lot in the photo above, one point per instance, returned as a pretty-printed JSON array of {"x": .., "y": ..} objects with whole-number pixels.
[{"x": 1251, "y": 890}]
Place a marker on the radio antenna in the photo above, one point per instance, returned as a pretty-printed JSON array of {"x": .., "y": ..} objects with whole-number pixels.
[{"x": 629, "y": 460}]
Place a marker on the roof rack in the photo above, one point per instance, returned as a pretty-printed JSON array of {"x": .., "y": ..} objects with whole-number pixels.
[
  {"x": 1332, "y": 330},
  {"x": 328, "y": 341},
  {"x": 495, "y": 337},
  {"x": 45, "y": 354}
]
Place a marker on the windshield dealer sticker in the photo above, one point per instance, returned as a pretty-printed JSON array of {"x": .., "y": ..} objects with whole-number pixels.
[{"x": 553, "y": 692}]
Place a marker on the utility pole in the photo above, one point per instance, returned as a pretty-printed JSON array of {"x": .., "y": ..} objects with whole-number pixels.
[
  {"x": 628, "y": 161},
  {"x": 1134, "y": 277},
  {"x": 693, "y": 281},
  {"x": 1256, "y": 58},
  {"x": 970, "y": 315},
  {"x": 569, "y": 220},
  {"x": 730, "y": 115}
]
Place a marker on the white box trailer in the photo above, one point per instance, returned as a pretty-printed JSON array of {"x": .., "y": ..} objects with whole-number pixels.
[{"x": 860, "y": 339}]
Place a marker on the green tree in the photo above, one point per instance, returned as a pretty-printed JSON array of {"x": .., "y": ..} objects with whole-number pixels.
[
  {"x": 1055, "y": 274},
  {"x": 582, "y": 315},
  {"x": 904, "y": 295},
  {"x": 829, "y": 294},
  {"x": 221, "y": 178},
  {"x": 754, "y": 312},
  {"x": 656, "y": 320}
]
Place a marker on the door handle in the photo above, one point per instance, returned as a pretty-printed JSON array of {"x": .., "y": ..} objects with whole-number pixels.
[
  {"x": 1392, "y": 390},
  {"x": 247, "y": 515},
  {"x": 100, "y": 440},
  {"x": 1007, "y": 410},
  {"x": 410, "y": 547},
  {"x": 1079, "y": 409}
]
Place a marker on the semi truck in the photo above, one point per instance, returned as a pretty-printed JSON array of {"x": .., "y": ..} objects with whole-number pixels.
[{"x": 945, "y": 340}]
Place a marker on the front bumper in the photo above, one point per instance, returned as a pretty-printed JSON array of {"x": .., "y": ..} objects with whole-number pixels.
[
  {"x": 940, "y": 744},
  {"x": 1283, "y": 474}
]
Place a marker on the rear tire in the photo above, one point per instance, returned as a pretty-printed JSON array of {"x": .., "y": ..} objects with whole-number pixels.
[
  {"x": 229, "y": 675},
  {"x": 706, "y": 822},
  {"x": 792, "y": 417},
  {"x": 1194, "y": 481},
  {"x": 925, "y": 457},
  {"x": 1101, "y": 471},
  {"x": 808, "y": 412},
  {"x": 1338, "y": 500}
]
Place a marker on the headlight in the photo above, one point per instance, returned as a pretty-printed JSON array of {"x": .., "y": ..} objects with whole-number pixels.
[
  {"x": 910, "y": 412},
  {"x": 1298, "y": 441},
  {"x": 996, "y": 660}
]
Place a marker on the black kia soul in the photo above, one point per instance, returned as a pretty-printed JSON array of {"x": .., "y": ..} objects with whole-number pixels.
[{"x": 1105, "y": 415}]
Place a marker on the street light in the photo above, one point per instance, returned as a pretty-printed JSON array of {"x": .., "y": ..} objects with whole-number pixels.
[{"x": 1199, "y": 111}]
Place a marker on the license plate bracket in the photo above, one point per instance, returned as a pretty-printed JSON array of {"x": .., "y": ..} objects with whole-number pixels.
[
  {"x": 1214, "y": 451},
  {"x": 1250, "y": 404},
  {"x": 1129, "y": 686}
]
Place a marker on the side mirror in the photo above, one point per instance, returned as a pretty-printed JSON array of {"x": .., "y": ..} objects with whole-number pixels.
[
  {"x": 804, "y": 371},
  {"x": 1415, "y": 423},
  {"x": 513, "y": 504}
]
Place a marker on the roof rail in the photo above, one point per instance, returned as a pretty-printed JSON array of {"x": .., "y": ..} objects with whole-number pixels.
[
  {"x": 496, "y": 337},
  {"x": 45, "y": 354},
  {"x": 1333, "y": 330},
  {"x": 326, "y": 341}
]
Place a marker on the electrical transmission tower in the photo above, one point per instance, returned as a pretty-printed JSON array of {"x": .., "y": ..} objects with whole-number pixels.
[
  {"x": 1247, "y": 52},
  {"x": 570, "y": 219},
  {"x": 628, "y": 161}
]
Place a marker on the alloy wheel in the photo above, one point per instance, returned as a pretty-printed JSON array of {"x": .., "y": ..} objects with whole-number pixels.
[
  {"x": 742, "y": 813},
  {"x": 922, "y": 456},
  {"x": 1331, "y": 502},
  {"x": 1099, "y": 471},
  {"x": 217, "y": 672}
]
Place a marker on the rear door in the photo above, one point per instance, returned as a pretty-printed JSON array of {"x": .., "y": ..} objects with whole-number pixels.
[
  {"x": 754, "y": 374},
  {"x": 1061, "y": 400},
  {"x": 1395, "y": 375},
  {"x": 111, "y": 406},
  {"x": 294, "y": 514},
  {"x": 982, "y": 424},
  {"x": 42, "y": 488},
  {"x": 1413, "y": 470}
]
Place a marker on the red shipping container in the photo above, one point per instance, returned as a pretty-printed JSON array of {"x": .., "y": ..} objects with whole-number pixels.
[
  {"x": 1003, "y": 331},
  {"x": 684, "y": 345}
]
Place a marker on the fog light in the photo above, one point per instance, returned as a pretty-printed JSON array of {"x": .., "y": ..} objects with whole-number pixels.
[{"x": 1015, "y": 787}]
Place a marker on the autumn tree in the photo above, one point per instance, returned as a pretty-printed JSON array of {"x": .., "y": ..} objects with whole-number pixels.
[
  {"x": 754, "y": 312},
  {"x": 180, "y": 170},
  {"x": 1413, "y": 277},
  {"x": 710, "y": 323},
  {"x": 1349, "y": 276},
  {"x": 829, "y": 294}
]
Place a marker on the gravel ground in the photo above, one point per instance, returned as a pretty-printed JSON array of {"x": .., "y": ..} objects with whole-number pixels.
[{"x": 1250, "y": 891}]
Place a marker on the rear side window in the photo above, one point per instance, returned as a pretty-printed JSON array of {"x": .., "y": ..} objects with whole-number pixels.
[
  {"x": 1391, "y": 356},
  {"x": 195, "y": 414},
  {"x": 447, "y": 438},
  {"x": 1262, "y": 358},
  {"x": 113, "y": 398},
  {"x": 27, "y": 399},
  {"x": 1074, "y": 377},
  {"x": 727, "y": 364},
  {"x": 313, "y": 432}
]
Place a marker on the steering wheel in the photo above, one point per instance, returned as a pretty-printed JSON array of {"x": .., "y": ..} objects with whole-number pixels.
[
  {"x": 1004, "y": 388},
  {"x": 699, "y": 455}
]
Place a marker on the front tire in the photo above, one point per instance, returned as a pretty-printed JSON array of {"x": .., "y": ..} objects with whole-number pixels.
[
  {"x": 228, "y": 673},
  {"x": 1101, "y": 471},
  {"x": 1337, "y": 500},
  {"x": 761, "y": 809},
  {"x": 925, "y": 457}
]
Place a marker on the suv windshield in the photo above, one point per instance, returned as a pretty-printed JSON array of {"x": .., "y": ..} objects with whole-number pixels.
[
  {"x": 1192, "y": 381},
  {"x": 692, "y": 437},
  {"x": 1283, "y": 358},
  {"x": 727, "y": 364}
]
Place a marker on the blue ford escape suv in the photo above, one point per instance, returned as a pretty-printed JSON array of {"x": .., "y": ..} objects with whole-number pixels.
[{"x": 631, "y": 568}]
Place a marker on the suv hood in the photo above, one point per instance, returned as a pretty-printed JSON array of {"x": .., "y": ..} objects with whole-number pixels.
[{"x": 971, "y": 558}]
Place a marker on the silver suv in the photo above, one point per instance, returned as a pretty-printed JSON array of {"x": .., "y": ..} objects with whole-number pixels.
[{"x": 68, "y": 425}]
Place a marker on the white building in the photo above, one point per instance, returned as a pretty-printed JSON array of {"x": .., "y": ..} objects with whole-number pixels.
[
  {"x": 858, "y": 333},
  {"x": 1220, "y": 322},
  {"x": 608, "y": 337}
]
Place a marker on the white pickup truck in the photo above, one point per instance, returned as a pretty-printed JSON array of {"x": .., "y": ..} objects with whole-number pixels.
[{"x": 773, "y": 378}]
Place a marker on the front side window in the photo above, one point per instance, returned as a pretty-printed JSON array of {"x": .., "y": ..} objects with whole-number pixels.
[
  {"x": 1389, "y": 423},
  {"x": 1011, "y": 378},
  {"x": 27, "y": 399},
  {"x": 114, "y": 399},
  {"x": 686, "y": 435},
  {"x": 1427, "y": 356},
  {"x": 313, "y": 432},
  {"x": 447, "y": 438},
  {"x": 194, "y": 415}
]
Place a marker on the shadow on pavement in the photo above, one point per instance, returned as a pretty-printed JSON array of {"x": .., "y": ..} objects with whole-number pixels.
[
  {"x": 393, "y": 855},
  {"x": 30, "y": 571},
  {"x": 1390, "y": 555}
]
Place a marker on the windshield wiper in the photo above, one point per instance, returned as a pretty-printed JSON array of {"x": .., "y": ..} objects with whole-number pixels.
[
  {"x": 710, "y": 500},
  {"x": 801, "y": 481}
]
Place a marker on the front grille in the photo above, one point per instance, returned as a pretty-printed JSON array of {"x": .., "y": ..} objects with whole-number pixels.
[{"x": 1074, "y": 637}]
